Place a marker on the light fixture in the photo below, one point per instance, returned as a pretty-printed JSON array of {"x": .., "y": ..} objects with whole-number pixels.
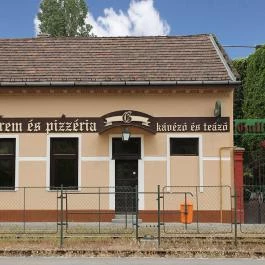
[
  {"x": 126, "y": 135},
  {"x": 218, "y": 109}
]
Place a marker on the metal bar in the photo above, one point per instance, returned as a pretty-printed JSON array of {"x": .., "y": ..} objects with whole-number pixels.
[
  {"x": 57, "y": 210},
  {"x": 66, "y": 209},
  {"x": 61, "y": 231},
  {"x": 259, "y": 210},
  {"x": 136, "y": 215},
  {"x": 158, "y": 216},
  {"x": 99, "y": 206},
  {"x": 186, "y": 211},
  {"x": 163, "y": 213},
  {"x": 24, "y": 211},
  {"x": 232, "y": 211},
  {"x": 197, "y": 210},
  {"x": 235, "y": 218},
  {"x": 126, "y": 212}
]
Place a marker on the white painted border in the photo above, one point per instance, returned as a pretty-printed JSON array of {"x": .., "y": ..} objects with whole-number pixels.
[
  {"x": 14, "y": 136},
  {"x": 155, "y": 158},
  {"x": 140, "y": 172},
  {"x": 223, "y": 60},
  {"x": 49, "y": 136},
  {"x": 177, "y": 135},
  {"x": 95, "y": 158},
  {"x": 106, "y": 158},
  {"x": 215, "y": 158},
  {"x": 32, "y": 158}
]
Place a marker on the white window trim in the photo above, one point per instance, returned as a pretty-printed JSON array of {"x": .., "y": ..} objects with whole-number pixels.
[
  {"x": 201, "y": 170},
  {"x": 140, "y": 172},
  {"x": 49, "y": 136},
  {"x": 16, "y": 137}
]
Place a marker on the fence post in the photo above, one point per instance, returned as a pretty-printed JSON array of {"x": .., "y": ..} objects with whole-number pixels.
[
  {"x": 24, "y": 211},
  {"x": 235, "y": 217},
  {"x": 186, "y": 211},
  {"x": 99, "y": 210},
  {"x": 61, "y": 221},
  {"x": 136, "y": 214},
  {"x": 158, "y": 216}
]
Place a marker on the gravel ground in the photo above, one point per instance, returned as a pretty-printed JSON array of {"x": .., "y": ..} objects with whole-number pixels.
[{"x": 169, "y": 229}]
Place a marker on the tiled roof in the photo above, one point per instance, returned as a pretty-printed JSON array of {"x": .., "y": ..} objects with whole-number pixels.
[{"x": 173, "y": 58}]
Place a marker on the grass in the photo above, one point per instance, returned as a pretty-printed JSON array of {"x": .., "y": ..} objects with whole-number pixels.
[
  {"x": 177, "y": 247},
  {"x": 120, "y": 240}
]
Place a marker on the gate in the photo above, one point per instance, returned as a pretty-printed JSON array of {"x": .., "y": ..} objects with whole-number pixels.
[
  {"x": 87, "y": 212},
  {"x": 254, "y": 192}
]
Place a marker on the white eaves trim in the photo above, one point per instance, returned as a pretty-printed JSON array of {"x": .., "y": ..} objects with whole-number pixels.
[{"x": 220, "y": 54}]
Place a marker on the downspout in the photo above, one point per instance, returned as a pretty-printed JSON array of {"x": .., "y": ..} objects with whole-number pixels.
[{"x": 230, "y": 148}]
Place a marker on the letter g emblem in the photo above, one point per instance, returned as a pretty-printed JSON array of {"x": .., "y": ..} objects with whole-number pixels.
[{"x": 127, "y": 117}]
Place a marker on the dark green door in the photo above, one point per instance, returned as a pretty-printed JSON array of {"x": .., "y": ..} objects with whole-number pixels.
[{"x": 126, "y": 180}]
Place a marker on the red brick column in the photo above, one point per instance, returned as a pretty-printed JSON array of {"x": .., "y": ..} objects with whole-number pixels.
[{"x": 238, "y": 181}]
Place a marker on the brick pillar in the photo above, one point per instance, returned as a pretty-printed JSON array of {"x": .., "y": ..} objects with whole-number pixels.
[{"x": 238, "y": 181}]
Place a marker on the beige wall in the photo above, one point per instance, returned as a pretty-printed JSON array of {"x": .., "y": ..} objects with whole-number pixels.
[
  {"x": 94, "y": 105},
  {"x": 95, "y": 166}
]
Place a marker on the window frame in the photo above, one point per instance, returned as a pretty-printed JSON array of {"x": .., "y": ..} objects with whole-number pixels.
[
  {"x": 48, "y": 168},
  {"x": 194, "y": 154},
  {"x": 16, "y": 162}
]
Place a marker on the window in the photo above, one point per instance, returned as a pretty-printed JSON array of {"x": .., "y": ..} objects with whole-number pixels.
[
  {"x": 64, "y": 163},
  {"x": 126, "y": 149},
  {"x": 7, "y": 163},
  {"x": 184, "y": 146}
]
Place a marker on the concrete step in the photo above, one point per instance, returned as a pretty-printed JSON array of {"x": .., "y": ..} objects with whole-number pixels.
[
  {"x": 121, "y": 219},
  {"x": 123, "y": 216}
]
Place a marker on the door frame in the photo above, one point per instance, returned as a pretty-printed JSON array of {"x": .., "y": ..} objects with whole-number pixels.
[{"x": 112, "y": 172}]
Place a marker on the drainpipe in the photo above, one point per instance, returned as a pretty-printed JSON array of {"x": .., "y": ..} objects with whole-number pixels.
[{"x": 230, "y": 148}]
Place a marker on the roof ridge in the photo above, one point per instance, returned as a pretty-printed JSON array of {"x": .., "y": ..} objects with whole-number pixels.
[{"x": 106, "y": 37}]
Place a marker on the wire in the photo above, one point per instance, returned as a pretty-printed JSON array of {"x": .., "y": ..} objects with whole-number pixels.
[{"x": 242, "y": 46}]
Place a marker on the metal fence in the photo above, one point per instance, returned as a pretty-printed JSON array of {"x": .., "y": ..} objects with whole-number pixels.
[
  {"x": 170, "y": 211},
  {"x": 29, "y": 210},
  {"x": 252, "y": 214},
  {"x": 201, "y": 210}
]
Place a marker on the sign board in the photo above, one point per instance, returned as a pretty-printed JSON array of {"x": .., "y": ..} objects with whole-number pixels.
[
  {"x": 127, "y": 118},
  {"x": 249, "y": 126}
]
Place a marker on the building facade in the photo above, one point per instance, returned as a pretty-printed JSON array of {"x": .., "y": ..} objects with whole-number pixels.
[{"x": 67, "y": 103}]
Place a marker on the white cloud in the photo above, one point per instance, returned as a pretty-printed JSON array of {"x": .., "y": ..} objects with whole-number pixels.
[
  {"x": 141, "y": 19},
  {"x": 36, "y": 25}
]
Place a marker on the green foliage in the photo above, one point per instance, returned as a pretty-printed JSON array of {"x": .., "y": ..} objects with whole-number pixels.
[
  {"x": 241, "y": 66},
  {"x": 254, "y": 91},
  {"x": 64, "y": 18},
  {"x": 254, "y": 94}
]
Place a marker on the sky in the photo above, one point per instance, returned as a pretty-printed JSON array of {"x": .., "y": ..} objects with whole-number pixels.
[{"x": 234, "y": 22}]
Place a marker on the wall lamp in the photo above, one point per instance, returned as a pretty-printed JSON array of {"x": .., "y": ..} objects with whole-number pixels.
[{"x": 126, "y": 135}]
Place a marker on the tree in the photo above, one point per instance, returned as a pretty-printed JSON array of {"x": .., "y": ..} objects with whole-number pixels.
[
  {"x": 241, "y": 67},
  {"x": 254, "y": 94},
  {"x": 254, "y": 88},
  {"x": 64, "y": 18}
]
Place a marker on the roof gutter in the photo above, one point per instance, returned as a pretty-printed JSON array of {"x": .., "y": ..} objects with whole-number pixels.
[{"x": 117, "y": 83}]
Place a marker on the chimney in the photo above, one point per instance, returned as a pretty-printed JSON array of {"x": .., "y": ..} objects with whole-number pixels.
[{"x": 43, "y": 35}]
